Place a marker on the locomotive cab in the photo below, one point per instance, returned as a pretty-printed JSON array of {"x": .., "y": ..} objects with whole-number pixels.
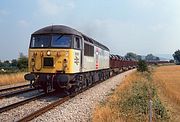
[{"x": 53, "y": 54}]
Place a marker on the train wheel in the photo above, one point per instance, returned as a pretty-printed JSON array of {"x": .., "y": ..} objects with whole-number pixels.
[
  {"x": 74, "y": 89},
  {"x": 90, "y": 81},
  {"x": 85, "y": 84}
]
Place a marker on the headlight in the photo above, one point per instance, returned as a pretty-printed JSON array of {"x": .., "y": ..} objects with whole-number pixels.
[{"x": 48, "y": 53}]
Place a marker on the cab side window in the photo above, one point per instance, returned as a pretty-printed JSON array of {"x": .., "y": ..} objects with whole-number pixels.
[
  {"x": 77, "y": 43},
  {"x": 88, "y": 50}
]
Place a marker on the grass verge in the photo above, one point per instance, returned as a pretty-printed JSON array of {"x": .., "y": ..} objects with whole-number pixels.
[
  {"x": 130, "y": 101},
  {"x": 7, "y": 79}
]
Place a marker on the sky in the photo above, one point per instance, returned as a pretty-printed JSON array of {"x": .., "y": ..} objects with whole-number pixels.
[{"x": 139, "y": 26}]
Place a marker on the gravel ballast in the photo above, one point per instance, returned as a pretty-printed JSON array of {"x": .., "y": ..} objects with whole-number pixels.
[
  {"x": 80, "y": 107},
  {"x": 17, "y": 98},
  {"x": 22, "y": 111}
]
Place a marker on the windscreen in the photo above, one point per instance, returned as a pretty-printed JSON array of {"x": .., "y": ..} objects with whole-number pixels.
[
  {"x": 48, "y": 41},
  {"x": 41, "y": 41},
  {"x": 61, "y": 41}
]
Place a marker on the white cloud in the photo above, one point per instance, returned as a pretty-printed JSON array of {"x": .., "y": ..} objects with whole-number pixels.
[{"x": 23, "y": 23}]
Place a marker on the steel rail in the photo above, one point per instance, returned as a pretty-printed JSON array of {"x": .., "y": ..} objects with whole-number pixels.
[
  {"x": 14, "y": 105},
  {"x": 16, "y": 87},
  {"x": 6, "y": 95},
  {"x": 44, "y": 109}
]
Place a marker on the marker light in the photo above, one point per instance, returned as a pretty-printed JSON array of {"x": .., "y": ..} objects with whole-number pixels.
[
  {"x": 35, "y": 53},
  {"x": 58, "y": 54},
  {"x": 41, "y": 54}
]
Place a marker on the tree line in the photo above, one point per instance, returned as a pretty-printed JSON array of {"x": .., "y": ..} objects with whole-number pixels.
[
  {"x": 151, "y": 57},
  {"x": 148, "y": 57},
  {"x": 14, "y": 65}
]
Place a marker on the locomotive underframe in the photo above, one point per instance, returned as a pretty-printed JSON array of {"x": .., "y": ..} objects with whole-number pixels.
[{"x": 70, "y": 82}]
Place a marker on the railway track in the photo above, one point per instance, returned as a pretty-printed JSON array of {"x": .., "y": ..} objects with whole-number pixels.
[
  {"x": 44, "y": 109},
  {"x": 14, "y": 105},
  {"x": 6, "y": 95},
  {"x": 53, "y": 105},
  {"x": 13, "y": 88}
]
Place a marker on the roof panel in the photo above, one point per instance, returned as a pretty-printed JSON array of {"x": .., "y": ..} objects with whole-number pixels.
[{"x": 58, "y": 29}]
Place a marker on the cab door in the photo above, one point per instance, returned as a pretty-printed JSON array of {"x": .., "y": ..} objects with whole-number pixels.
[{"x": 78, "y": 54}]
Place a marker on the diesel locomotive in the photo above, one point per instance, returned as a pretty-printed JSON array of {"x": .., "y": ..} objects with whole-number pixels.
[{"x": 61, "y": 57}]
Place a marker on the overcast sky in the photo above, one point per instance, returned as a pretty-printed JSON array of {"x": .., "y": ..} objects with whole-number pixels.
[{"x": 140, "y": 26}]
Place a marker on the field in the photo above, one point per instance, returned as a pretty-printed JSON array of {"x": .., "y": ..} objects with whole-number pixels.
[
  {"x": 6, "y": 79},
  {"x": 130, "y": 101},
  {"x": 167, "y": 79}
]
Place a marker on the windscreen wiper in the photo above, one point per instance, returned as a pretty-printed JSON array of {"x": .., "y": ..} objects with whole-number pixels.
[{"x": 59, "y": 37}]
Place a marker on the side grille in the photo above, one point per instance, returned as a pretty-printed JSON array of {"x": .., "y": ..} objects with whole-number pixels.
[{"x": 48, "y": 61}]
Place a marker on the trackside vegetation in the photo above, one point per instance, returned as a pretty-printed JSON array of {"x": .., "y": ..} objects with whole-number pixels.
[
  {"x": 131, "y": 101},
  {"x": 142, "y": 66},
  {"x": 12, "y": 78},
  {"x": 14, "y": 66},
  {"x": 13, "y": 71}
]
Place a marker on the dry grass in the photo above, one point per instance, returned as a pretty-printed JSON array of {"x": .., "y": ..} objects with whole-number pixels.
[
  {"x": 6, "y": 79},
  {"x": 108, "y": 111},
  {"x": 104, "y": 114},
  {"x": 129, "y": 102},
  {"x": 167, "y": 79}
]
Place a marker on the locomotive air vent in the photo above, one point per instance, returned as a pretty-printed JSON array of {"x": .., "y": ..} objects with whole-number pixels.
[{"x": 48, "y": 61}]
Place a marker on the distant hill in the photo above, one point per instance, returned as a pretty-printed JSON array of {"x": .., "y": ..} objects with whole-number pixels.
[{"x": 164, "y": 56}]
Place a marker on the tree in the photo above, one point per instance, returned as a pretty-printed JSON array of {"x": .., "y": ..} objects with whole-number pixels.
[
  {"x": 151, "y": 57},
  {"x": 1, "y": 64},
  {"x": 142, "y": 66},
  {"x": 176, "y": 56},
  {"x": 171, "y": 61},
  {"x": 132, "y": 56},
  {"x": 6, "y": 64},
  {"x": 22, "y": 62},
  {"x": 14, "y": 63},
  {"x": 157, "y": 58},
  {"x": 139, "y": 57}
]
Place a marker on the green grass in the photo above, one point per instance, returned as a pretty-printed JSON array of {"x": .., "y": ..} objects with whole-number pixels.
[{"x": 135, "y": 102}]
